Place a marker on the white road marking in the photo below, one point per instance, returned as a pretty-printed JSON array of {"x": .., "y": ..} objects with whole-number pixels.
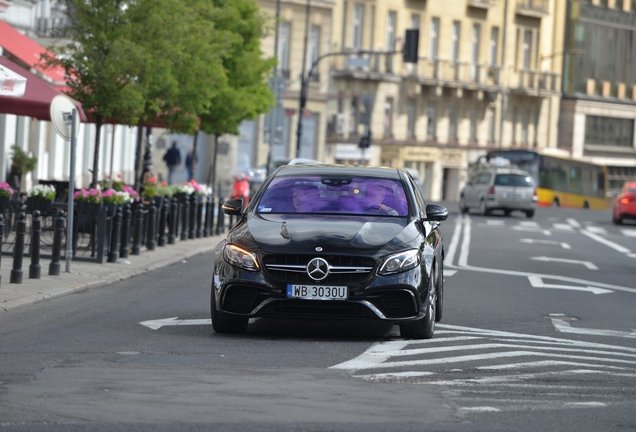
[
  {"x": 529, "y": 229},
  {"x": 563, "y": 227},
  {"x": 587, "y": 264},
  {"x": 596, "y": 230},
  {"x": 495, "y": 222},
  {"x": 549, "y": 242},
  {"x": 564, "y": 326},
  {"x": 452, "y": 247},
  {"x": 463, "y": 263},
  {"x": 545, "y": 363},
  {"x": 174, "y": 321},
  {"x": 606, "y": 242},
  {"x": 537, "y": 282},
  {"x": 481, "y": 409},
  {"x": 449, "y": 272},
  {"x": 531, "y": 224},
  {"x": 629, "y": 232},
  {"x": 586, "y": 404},
  {"x": 574, "y": 223}
]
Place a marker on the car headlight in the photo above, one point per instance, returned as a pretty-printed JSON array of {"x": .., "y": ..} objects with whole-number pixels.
[
  {"x": 240, "y": 257},
  {"x": 400, "y": 262}
]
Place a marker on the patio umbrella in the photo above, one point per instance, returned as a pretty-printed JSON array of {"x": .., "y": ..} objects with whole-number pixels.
[{"x": 37, "y": 97}]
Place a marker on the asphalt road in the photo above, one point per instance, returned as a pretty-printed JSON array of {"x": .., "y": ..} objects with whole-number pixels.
[{"x": 537, "y": 334}]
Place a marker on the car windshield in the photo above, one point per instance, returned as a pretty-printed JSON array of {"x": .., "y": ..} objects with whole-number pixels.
[
  {"x": 522, "y": 180},
  {"x": 334, "y": 195},
  {"x": 631, "y": 189}
]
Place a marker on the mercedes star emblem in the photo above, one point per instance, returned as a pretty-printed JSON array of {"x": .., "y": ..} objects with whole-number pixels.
[
  {"x": 318, "y": 249},
  {"x": 318, "y": 269}
]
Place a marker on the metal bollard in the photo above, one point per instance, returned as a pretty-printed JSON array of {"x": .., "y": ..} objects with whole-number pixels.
[
  {"x": 125, "y": 231},
  {"x": 139, "y": 222},
  {"x": 113, "y": 253},
  {"x": 35, "y": 269},
  {"x": 56, "y": 253},
  {"x": 199, "y": 221},
  {"x": 206, "y": 220},
  {"x": 1, "y": 240},
  {"x": 161, "y": 239},
  {"x": 172, "y": 226},
  {"x": 18, "y": 250},
  {"x": 194, "y": 208},
  {"x": 185, "y": 216},
  {"x": 220, "y": 223},
  {"x": 151, "y": 229}
]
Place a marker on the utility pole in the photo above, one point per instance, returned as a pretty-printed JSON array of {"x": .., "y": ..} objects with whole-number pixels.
[
  {"x": 502, "y": 76},
  {"x": 273, "y": 123},
  {"x": 303, "y": 84}
]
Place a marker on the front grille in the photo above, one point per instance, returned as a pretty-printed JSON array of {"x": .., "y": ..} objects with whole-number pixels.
[
  {"x": 317, "y": 309},
  {"x": 344, "y": 269},
  {"x": 240, "y": 299}
]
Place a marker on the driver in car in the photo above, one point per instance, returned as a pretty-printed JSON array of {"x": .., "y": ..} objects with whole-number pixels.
[{"x": 374, "y": 195}]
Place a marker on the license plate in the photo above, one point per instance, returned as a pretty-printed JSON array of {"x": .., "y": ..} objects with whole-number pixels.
[{"x": 317, "y": 292}]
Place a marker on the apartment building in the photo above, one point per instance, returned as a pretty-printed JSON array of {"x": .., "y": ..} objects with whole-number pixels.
[
  {"x": 598, "y": 108},
  {"x": 487, "y": 77}
]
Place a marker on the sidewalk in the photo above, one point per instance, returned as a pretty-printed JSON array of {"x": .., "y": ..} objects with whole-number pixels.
[{"x": 85, "y": 275}]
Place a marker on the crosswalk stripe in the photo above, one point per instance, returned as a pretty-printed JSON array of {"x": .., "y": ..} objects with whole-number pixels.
[
  {"x": 596, "y": 230},
  {"x": 629, "y": 232}
]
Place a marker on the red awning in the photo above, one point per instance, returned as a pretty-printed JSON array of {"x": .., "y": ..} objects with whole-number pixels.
[
  {"x": 28, "y": 51},
  {"x": 37, "y": 98}
]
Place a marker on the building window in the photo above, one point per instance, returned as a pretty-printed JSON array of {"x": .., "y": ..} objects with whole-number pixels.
[
  {"x": 492, "y": 47},
  {"x": 434, "y": 39},
  {"x": 526, "y": 48},
  {"x": 415, "y": 21},
  {"x": 454, "y": 55},
  {"x": 314, "y": 44},
  {"x": 475, "y": 49},
  {"x": 452, "y": 124},
  {"x": 388, "y": 118},
  {"x": 609, "y": 131},
  {"x": 283, "y": 48},
  {"x": 390, "y": 39},
  {"x": 491, "y": 124},
  {"x": 372, "y": 31},
  {"x": 353, "y": 116},
  {"x": 410, "y": 118},
  {"x": 524, "y": 127},
  {"x": 431, "y": 124},
  {"x": 356, "y": 37},
  {"x": 473, "y": 125}
]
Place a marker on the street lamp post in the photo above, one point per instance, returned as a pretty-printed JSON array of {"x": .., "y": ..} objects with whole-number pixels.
[{"x": 303, "y": 83}]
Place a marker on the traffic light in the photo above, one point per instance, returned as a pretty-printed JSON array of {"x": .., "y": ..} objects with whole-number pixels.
[
  {"x": 411, "y": 42},
  {"x": 365, "y": 140}
]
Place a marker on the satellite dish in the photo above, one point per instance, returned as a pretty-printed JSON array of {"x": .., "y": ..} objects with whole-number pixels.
[{"x": 61, "y": 111}]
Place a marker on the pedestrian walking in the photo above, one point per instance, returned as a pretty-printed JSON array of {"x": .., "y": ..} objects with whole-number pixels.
[
  {"x": 172, "y": 159},
  {"x": 191, "y": 163}
]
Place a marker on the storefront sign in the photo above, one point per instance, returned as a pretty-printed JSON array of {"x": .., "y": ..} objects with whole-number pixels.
[{"x": 427, "y": 154}]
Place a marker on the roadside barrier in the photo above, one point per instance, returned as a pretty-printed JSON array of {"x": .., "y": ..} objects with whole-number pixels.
[
  {"x": 125, "y": 231},
  {"x": 35, "y": 269},
  {"x": 60, "y": 227},
  {"x": 185, "y": 216},
  {"x": 161, "y": 238},
  {"x": 18, "y": 250},
  {"x": 113, "y": 252},
  {"x": 174, "y": 218}
]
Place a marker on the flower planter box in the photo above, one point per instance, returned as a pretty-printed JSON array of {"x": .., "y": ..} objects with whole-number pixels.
[
  {"x": 43, "y": 205},
  {"x": 88, "y": 209}
]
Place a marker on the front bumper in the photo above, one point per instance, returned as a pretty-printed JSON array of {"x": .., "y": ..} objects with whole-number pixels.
[{"x": 397, "y": 298}]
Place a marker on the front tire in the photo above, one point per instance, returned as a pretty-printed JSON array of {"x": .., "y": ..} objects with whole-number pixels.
[
  {"x": 226, "y": 325},
  {"x": 529, "y": 213},
  {"x": 424, "y": 328}
]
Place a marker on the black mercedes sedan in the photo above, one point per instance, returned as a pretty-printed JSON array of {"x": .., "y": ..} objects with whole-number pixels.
[{"x": 332, "y": 242}]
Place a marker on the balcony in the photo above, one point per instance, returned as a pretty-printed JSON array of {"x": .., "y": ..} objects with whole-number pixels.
[
  {"x": 532, "y": 8},
  {"x": 481, "y": 4},
  {"x": 534, "y": 80},
  {"x": 458, "y": 74}
]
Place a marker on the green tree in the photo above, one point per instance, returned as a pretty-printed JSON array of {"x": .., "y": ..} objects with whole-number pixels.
[
  {"x": 246, "y": 94},
  {"x": 101, "y": 63}
]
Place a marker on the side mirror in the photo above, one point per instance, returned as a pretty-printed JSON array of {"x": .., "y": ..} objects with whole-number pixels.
[
  {"x": 233, "y": 207},
  {"x": 436, "y": 213}
]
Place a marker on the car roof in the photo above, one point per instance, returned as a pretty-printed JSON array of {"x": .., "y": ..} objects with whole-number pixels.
[{"x": 331, "y": 169}]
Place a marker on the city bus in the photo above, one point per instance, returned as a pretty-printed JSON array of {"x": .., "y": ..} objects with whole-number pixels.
[{"x": 562, "y": 181}]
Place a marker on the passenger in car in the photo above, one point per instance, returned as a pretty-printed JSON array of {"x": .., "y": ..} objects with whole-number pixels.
[
  {"x": 374, "y": 199},
  {"x": 306, "y": 198}
]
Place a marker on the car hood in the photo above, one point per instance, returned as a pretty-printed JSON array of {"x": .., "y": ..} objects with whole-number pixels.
[{"x": 335, "y": 234}]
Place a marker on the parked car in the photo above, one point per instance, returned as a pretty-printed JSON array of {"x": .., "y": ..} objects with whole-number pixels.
[
  {"x": 499, "y": 188},
  {"x": 625, "y": 204},
  {"x": 332, "y": 242}
]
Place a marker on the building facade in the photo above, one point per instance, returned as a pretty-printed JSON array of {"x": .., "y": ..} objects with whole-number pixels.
[
  {"x": 486, "y": 78},
  {"x": 598, "y": 108}
]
